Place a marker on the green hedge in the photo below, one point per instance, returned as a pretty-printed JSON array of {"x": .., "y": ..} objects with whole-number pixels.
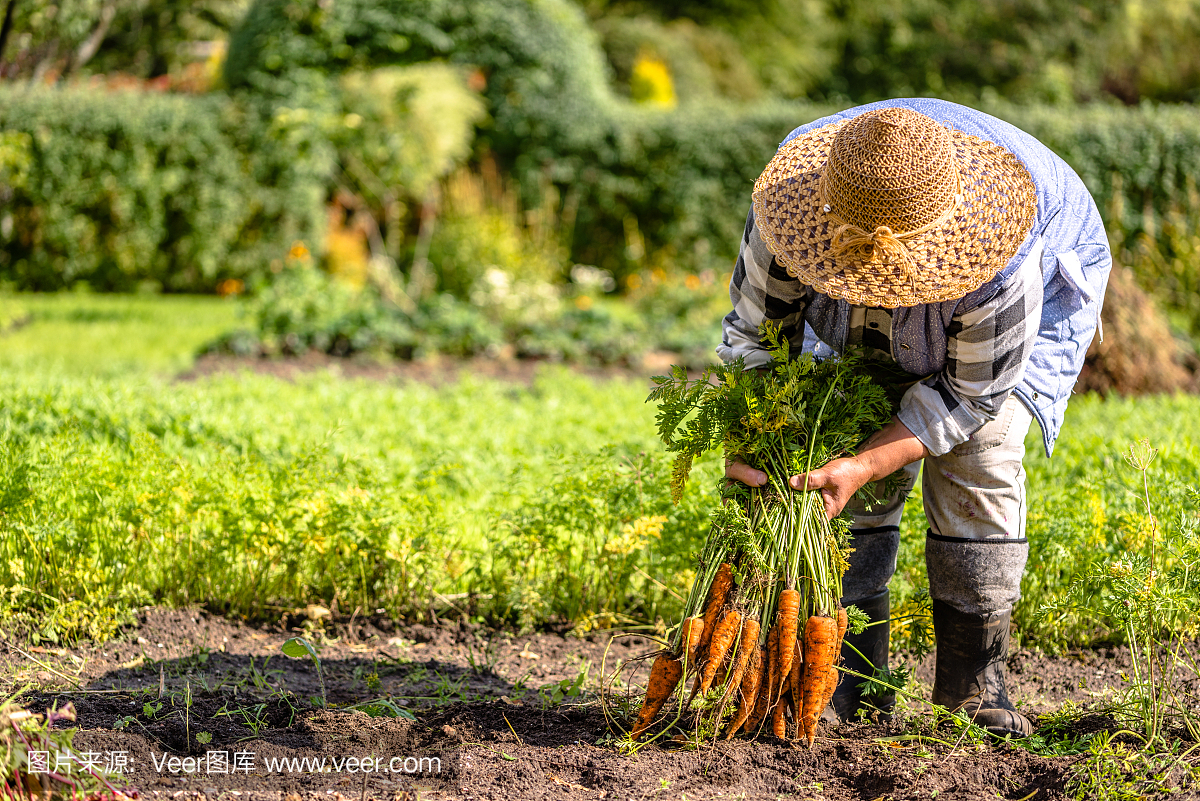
[
  {"x": 1140, "y": 163},
  {"x": 129, "y": 190}
]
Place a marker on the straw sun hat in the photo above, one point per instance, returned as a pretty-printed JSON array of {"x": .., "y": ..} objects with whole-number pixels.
[{"x": 890, "y": 208}]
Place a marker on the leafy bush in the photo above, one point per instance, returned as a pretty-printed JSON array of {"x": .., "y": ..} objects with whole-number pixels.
[
  {"x": 1026, "y": 50},
  {"x": 142, "y": 38},
  {"x": 607, "y": 518},
  {"x": 481, "y": 233},
  {"x": 545, "y": 79},
  {"x": 125, "y": 190},
  {"x": 306, "y": 309},
  {"x": 703, "y": 63},
  {"x": 403, "y": 129}
]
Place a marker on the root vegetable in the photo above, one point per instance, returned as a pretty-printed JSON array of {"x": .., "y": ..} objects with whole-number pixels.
[
  {"x": 778, "y": 722},
  {"x": 831, "y": 682},
  {"x": 693, "y": 630},
  {"x": 788, "y": 621},
  {"x": 722, "y": 640},
  {"x": 751, "y": 681},
  {"x": 761, "y": 704},
  {"x": 746, "y": 648},
  {"x": 820, "y": 644},
  {"x": 794, "y": 680},
  {"x": 665, "y": 674},
  {"x": 773, "y": 662},
  {"x": 718, "y": 593}
]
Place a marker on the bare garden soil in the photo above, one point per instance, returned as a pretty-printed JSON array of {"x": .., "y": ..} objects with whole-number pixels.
[{"x": 485, "y": 722}]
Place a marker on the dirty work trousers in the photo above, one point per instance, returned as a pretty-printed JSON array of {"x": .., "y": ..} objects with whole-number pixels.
[{"x": 974, "y": 497}]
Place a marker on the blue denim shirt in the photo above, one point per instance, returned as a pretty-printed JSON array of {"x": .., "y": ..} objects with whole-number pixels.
[{"x": 1075, "y": 262}]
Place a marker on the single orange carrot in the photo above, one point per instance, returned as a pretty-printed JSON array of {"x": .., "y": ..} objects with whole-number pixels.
[
  {"x": 717, "y": 595},
  {"x": 820, "y": 643},
  {"x": 751, "y": 681},
  {"x": 794, "y": 680},
  {"x": 761, "y": 704},
  {"x": 790, "y": 703},
  {"x": 831, "y": 682},
  {"x": 834, "y": 676},
  {"x": 665, "y": 674},
  {"x": 747, "y": 647},
  {"x": 788, "y": 619},
  {"x": 722, "y": 640},
  {"x": 689, "y": 642},
  {"x": 778, "y": 722}
]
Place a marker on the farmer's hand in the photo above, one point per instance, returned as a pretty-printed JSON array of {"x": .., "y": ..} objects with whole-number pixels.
[
  {"x": 837, "y": 481},
  {"x": 885, "y": 452},
  {"x": 739, "y": 471}
]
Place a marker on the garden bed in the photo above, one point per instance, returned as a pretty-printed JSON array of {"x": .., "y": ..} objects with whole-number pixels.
[{"x": 496, "y": 715}]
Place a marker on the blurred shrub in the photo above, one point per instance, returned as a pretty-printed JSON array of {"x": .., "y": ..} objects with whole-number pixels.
[
  {"x": 126, "y": 190},
  {"x": 139, "y": 39},
  {"x": 403, "y": 128},
  {"x": 481, "y": 231},
  {"x": 1025, "y": 50},
  {"x": 705, "y": 63},
  {"x": 305, "y": 309},
  {"x": 537, "y": 60},
  {"x": 632, "y": 181}
]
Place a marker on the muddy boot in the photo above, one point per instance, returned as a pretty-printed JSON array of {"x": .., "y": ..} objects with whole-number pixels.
[
  {"x": 971, "y": 652},
  {"x": 848, "y": 699}
]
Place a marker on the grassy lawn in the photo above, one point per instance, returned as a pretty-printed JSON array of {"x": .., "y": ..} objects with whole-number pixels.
[
  {"x": 120, "y": 486},
  {"x": 109, "y": 335}
]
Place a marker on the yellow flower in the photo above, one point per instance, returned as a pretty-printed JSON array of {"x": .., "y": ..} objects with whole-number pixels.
[
  {"x": 651, "y": 82},
  {"x": 633, "y": 536},
  {"x": 230, "y": 286}
]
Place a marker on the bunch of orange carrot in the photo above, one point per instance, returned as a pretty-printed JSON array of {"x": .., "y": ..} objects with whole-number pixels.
[
  {"x": 763, "y": 625},
  {"x": 781, "y": 677}
]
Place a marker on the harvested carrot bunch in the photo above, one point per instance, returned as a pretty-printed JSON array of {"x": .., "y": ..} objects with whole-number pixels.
[{"x": 763, "y": 623}]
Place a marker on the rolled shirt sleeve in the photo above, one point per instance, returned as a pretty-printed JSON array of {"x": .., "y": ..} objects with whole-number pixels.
[
  {"x": 760, "y": 290},
  {"x": 987, "y": 350}
]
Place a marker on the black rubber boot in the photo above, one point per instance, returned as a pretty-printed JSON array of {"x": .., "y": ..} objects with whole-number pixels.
[
  {"x": 848, "y": 699},
  {"x": 971, "y": 653}
]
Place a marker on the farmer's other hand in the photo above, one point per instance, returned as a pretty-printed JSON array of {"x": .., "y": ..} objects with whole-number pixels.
[
  {"x": 837, "y": 481},
  {"x": 738, "y": 471}
]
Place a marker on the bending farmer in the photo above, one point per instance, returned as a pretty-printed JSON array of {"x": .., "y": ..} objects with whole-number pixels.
[{"x": 966, "y": 253}]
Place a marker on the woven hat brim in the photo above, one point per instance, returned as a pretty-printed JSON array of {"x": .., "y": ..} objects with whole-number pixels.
[{"x": 954, "y": 259}]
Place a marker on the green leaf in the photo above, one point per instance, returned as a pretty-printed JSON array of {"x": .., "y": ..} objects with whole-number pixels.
[{"x": 298, "y": 648}]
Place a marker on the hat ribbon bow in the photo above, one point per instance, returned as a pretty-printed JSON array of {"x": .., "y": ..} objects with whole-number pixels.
[{"x": 882, "y": 244}]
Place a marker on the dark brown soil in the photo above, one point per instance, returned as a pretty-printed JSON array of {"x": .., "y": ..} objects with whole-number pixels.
[{"x": 485, "y": 726}]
